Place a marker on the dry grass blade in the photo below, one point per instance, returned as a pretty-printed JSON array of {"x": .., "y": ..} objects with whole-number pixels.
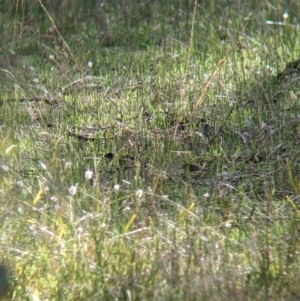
[
  {"x": 60, "y": 36},
  {"x": 206, "y": 87}
]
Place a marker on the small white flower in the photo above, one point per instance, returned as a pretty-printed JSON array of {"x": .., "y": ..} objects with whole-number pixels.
[
  {"x": 206, "y": 195},
  {"x": 73, "y": 189},
  {"x": 116, "y": 187},
  {"x": 51, "y": 57},
  {"x": 19, "y": 183},
  {"x": 139, "y": 193},
  {"x": 228, "y": 225},
  {"x": 53, "y": 198},
  {"x": 285, "y": 15},
  {"x": 204, "y": 238},
  {"x": 68, "y": 165},
  {"x": 90, "y": 64},
  {"x": 88, "y": 174}
]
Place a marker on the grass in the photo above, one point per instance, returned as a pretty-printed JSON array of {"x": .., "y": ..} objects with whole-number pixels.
[{"x": 160, "y": 165}]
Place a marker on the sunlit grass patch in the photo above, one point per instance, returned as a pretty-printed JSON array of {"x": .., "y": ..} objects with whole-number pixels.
[{"x": 153, "y": 158}]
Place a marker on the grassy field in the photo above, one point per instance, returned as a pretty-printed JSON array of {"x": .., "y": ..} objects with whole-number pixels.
[{"x": 149, "y": 150}]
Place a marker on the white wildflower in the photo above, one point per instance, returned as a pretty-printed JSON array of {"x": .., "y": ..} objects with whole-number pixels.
[
  {"x": 116, "y": 187},
  {"x": 73, "y": 189},
  {"x": 228, "y": 225},
  {"x": 53, "y": 198},
  {"x": 139, "y": 193},
  {"x": 88, "y": 174},
  {"x": 68, "y": 165},
  {"x": 19, "y": 183}
]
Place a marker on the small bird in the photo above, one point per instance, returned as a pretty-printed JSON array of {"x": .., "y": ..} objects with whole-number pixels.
[
  {"x": 4, "y": 282},
  {"x": 196, "y": 170}
]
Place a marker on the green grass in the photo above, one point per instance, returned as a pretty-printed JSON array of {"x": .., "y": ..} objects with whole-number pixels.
[{"x": 192, "y": 142}]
